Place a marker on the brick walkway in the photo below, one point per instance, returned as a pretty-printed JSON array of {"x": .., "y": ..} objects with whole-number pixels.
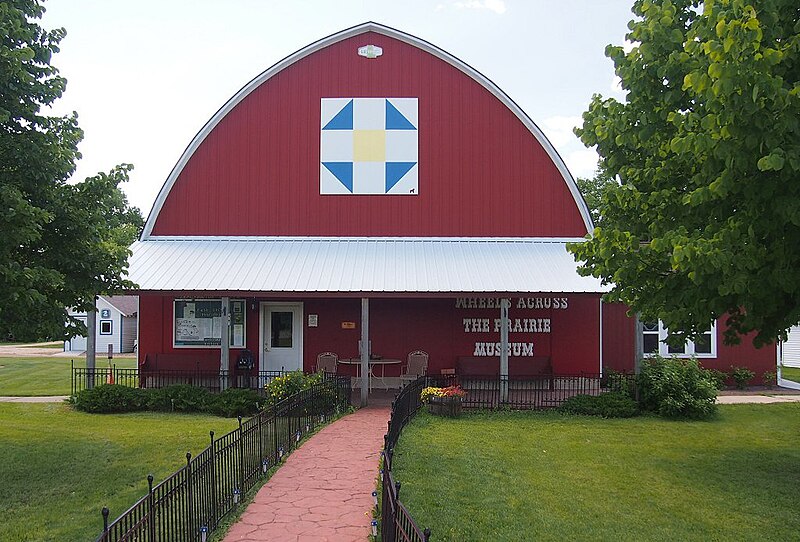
[{"x": 323, "y": 492}]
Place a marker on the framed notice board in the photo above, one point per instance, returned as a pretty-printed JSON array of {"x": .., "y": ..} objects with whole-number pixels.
[{"x": 198, "y": 322}]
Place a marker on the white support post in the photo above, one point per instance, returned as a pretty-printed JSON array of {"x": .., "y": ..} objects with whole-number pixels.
[
  {"x": 364, "y": 351},
  {"x": 225, "y": 343},
  {"x": 504, "y": 304}
]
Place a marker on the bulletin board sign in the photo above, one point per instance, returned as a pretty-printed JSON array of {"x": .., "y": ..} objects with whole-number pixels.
[{"x": 198, "y": 323}]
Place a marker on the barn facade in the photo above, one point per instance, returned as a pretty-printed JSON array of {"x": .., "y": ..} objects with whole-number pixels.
[{"x": 373, "y": 190}]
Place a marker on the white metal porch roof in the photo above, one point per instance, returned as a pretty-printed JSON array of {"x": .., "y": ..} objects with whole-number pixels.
[{"x": 357, "y": 265}]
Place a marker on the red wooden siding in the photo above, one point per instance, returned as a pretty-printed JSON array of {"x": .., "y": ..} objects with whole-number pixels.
[{"x": 481, "y": 172}]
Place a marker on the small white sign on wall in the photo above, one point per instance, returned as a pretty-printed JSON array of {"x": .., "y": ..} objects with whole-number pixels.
[{"x": 313, "y": 319}]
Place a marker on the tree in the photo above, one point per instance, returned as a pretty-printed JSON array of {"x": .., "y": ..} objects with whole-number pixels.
[
  {"x": 592, "y": 191},
  {"x": 61, "y": 243},
  {"x": 706, "y": 221}
]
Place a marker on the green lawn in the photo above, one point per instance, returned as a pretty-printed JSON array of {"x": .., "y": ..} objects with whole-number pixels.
[
  {"x": 791, "y": 373},
  {"x": 44, "y": 375},
  {"x": 545, "y": 476},
  {"x": 59, "y": 466}
]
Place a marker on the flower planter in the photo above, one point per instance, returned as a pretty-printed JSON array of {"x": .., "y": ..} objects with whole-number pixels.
[{"x": 445, "y": 406}]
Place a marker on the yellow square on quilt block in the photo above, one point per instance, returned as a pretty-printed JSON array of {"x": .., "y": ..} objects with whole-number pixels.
[{"x": 369, "y": 145}]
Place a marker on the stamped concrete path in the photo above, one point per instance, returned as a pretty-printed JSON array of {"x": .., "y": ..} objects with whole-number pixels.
[{"x": 323, "y": 492}]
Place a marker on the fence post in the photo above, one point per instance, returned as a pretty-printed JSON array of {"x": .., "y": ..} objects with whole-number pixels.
[
  {"x": 213, "y": 521},
  {"x": 427, "y": 534},
  {"x": 104, "y": 511},
  {"x": 241, "y": 456},
  {"x": 189, "y": 494},
  {"x": 261, "y": 441},
  {"x": 151, "y": 524}
]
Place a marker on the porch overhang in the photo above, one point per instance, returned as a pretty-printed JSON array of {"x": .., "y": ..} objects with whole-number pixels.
[{"x": 357, "y": 266}]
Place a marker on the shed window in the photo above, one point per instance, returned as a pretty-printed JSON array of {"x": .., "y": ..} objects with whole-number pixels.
[{"x": 106, "y": 327}]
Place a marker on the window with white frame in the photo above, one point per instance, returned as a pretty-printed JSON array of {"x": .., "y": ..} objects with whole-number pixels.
[{"x": 654, "y": 338}]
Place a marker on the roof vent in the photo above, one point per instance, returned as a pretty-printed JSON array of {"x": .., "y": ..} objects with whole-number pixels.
[{"x": 370, "y": 51}]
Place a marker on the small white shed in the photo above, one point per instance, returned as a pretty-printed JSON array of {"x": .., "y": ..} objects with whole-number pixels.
[
  {"x": 116, "y": 325},
  {"x": 791, "y": 348}
]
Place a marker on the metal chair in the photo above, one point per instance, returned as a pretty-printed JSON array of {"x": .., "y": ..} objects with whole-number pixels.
[
  {"x": 326, "y": 362},
  {"x": 416, "y": 366}
]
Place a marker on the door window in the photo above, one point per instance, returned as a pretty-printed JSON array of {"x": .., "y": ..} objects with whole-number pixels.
[{"x": 281, "y": 329}]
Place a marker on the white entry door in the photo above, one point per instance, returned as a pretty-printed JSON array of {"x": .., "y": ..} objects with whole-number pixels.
[{"x": 282, "y": 332}]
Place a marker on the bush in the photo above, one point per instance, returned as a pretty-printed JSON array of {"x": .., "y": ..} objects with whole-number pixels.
[
  {"x": 613, "y": 404},
  {"x": 616, "y": 381},
  {"x": 109, "y": 398},
  {"x": 741, "y": 376},
  {"x": 720, "y": 377},
  {"x": 770, "y": 378},
  {"x": 677, "y": 388},
  {"x": 179, "y": 398},
  {"x": 235, "y": 402},
  {"x": 284, "y": 386}
]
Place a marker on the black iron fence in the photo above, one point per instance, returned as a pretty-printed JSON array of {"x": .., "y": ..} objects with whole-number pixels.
[
  {"x": 538, "y": 392},
  {"x": 215, "y": 381},
  {"x": 190, "y": 503},
  {"x": 396, "y": 522}
]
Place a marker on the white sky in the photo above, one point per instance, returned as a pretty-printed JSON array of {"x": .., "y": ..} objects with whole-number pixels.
[{"x": 145, "y": 75}]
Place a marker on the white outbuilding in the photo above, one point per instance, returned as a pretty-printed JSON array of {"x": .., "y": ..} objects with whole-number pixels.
[{"x": 117, "y": 326}]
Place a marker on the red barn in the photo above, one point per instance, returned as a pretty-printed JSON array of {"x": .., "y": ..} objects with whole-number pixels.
[{"x": 372, "y": 187}]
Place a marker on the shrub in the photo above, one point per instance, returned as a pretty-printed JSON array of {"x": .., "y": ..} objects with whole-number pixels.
[
  {"x": 720, "y": 377},
  {"x": 179, "y": 398},
  {"x": 109, "y": 398},
  {"x": 677, "y": 388},
  {"x": 741, "y": 376},
  {"x": 235, "y": 402},
  {"x": 770, "y": 378},
  {"x": 613, "y": 404},
  {"x": 283, "y": 386},
  {"x": 616, "y": 381}
]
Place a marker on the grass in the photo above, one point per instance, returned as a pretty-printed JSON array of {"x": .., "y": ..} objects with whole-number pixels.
[
  {"x": 546, "y": 476},
  {"x": 60, "y": 467},
  {"x": 791, "y": 373},
  {"x": 27, "y": 376}
]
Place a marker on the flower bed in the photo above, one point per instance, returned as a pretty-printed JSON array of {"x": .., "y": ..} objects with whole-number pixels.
[{"x": 443, "y": 401}]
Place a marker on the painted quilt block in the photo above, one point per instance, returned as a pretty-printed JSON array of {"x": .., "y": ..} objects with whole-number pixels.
[{"x": 369, "y": 146}]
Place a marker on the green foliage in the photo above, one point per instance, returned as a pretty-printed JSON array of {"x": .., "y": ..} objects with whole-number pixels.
[
  {"x": 178, "y": 398},
  {"x": 741, "y": 376},
  {"x": 770, "y": 378},
  {"x": 720, "y": 377},
  {"x": 284, "y": 386},
  {"x": 62, "y": 243},
  {"x": 677, "y": 388},
  {"x": 616, "y": 381},
  {"x": 612, "y": 404},
  {"x": 706, "y": 145},
  {"x": 593, "y": 190},
  {"x": 235, "y": 402},
  {"x": 110, "y": 398}
]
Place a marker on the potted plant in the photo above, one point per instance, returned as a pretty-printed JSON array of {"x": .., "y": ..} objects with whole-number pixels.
[{"x": 443, "y": 401}]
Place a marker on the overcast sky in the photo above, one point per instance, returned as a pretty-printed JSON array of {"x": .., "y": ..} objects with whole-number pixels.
[{"x": 145, "y": 75}]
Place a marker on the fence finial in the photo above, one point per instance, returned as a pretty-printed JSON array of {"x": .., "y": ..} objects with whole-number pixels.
[
  {"x": 426, "y": 533},
  {"x": 105, "y": 511}
]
